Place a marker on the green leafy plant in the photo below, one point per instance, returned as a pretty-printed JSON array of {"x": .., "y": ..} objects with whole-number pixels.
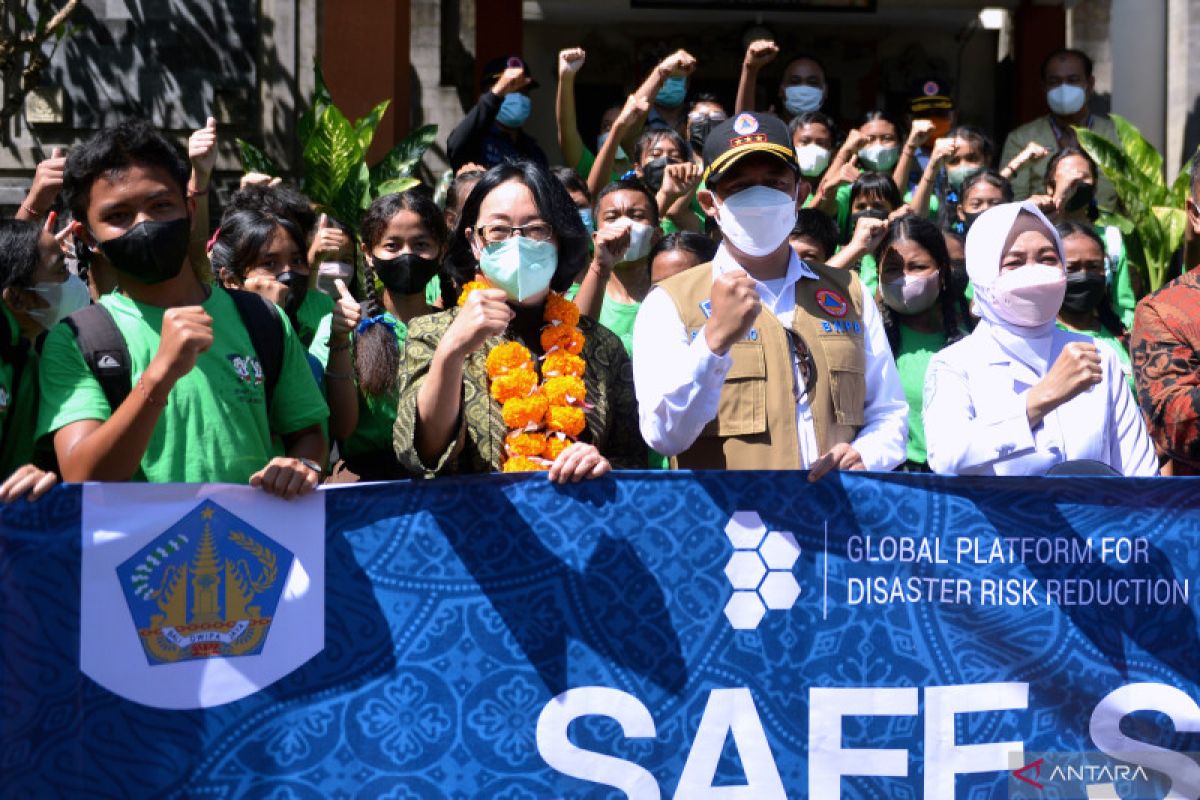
[
  {"x": 336, "y": 175},
  {"x": 1154, "y": 218}
]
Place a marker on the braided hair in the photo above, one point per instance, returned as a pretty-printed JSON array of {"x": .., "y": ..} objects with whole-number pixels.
[
  {"x": 955, "y": 310},
  {"x": 376, "y": 351}
]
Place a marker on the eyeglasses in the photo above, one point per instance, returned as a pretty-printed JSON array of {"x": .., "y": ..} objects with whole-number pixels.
[
  {"x": 804, "y": 361},
  {"x": 700, "y": 116},
  {"x": 499, "y": 232}
]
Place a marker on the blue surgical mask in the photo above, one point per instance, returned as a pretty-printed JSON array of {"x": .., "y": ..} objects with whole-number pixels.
[
  {"x": 672, "y": 93},
  {"x": 514, "y": 110},
  {"x": 798, "y": 99},
  {"x": 585, "y": 214},
  {"x": 520, "y": 266},
  {"x": 602, "y": 138}
]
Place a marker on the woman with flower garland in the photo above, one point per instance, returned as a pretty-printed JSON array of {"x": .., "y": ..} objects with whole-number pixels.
[
  {"x": 513, "y": 378},
  {"x": 404, "y": 239}
]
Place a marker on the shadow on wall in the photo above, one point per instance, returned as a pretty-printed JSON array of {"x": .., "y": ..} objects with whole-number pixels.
[{"x": 174, "y": 62}]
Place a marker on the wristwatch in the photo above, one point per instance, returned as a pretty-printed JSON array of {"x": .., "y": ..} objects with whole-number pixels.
[{"x": 314, "y": 466}]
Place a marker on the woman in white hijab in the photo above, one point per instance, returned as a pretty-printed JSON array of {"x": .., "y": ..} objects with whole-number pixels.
[{"x": 1019, "y": 395}]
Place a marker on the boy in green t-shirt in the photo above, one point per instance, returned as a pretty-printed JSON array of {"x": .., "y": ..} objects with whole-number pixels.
[{"x": 197, "y": 410}]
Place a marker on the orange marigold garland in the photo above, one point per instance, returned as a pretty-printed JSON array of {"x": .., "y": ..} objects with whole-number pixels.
[{"x": 544, "y": 418}]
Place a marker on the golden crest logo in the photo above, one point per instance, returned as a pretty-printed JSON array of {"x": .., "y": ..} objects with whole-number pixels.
[{"x": 209, "y": 586}]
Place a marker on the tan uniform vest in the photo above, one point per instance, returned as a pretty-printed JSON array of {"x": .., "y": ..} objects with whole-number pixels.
[{"x": 755, "y": 427}]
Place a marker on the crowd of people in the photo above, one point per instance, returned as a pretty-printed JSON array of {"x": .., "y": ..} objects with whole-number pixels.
[{"x": 705, "y": 288}]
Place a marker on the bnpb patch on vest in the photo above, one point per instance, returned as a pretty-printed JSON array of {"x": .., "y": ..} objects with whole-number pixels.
[{"x": 832, "y": 303}]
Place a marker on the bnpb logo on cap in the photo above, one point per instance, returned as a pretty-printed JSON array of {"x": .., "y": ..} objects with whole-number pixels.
[{"x": 745, "y": 124}]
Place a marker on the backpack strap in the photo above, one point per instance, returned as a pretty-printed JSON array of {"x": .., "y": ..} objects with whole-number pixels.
[
  {"x": 104, "y": 351},
  {"x": 261, "y": 318}
]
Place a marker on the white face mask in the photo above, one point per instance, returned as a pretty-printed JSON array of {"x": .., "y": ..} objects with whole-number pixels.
[
  {"x": 1066, "y": 99},
  {"x": 911, "y": 294},
  {"x": 757, "y": 220},
  {"x": 1029, "y": 296},
  {"x": 798, "y": 99},
  {"x": 641, "y": 239},
  {"x": 813, "y": 159},
  {"x": 878, "y": 157},
  {"x": 62, "y": 299}
]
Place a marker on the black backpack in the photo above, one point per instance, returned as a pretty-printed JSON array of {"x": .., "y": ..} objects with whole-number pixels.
[{"x": 104, "y": 351}]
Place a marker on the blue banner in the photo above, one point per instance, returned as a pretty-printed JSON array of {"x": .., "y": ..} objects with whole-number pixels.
[{"x": 685, "y": 635}]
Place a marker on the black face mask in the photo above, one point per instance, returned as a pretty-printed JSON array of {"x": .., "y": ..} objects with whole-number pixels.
[
  {"x": 407, "y": 273},
  {"x": 1082, "y": 197},
  {"x": 297, "y": 285},
  {"x": 969, "y": 219},
  {"x": 870, "y": 213},
  {"x": 150, "y": 252},
  {"x": 698, "y": 131},
  {"x": 1085, "y": 290},
  {"x": 653, "y": 172}
]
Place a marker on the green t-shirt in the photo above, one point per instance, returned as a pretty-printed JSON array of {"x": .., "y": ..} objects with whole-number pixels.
[
  {"x": 308, "y": 316},
  {"x": 1124, "y": 301},
  {"x": 18, "y": 445},
  {"x": 868, "y": 273},
  {"x": 916, "y": 349},
  {"x": 216, "y": 427},
  {"x": 618, "y": 317},
  {"x": 1104, "y": 338},
  {"x": 376, "y": 415}
]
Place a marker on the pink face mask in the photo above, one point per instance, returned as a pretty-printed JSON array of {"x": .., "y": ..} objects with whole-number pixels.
[{"x": 1029, "y": 296}]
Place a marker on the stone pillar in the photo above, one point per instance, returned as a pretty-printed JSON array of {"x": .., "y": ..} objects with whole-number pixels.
[{"x": 1139, "y": 79}]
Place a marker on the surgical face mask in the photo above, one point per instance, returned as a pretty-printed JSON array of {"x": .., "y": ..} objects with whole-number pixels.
[
  {"x": 911, "y": 294},
  {"x": 813, "y": 159},
  {"x": 1029, "y": 296},
  {"x": 514, "y": 110},
  {"x": 672, "y": 93},
  {"x": 407, "y": 273},
  {"x": 1066, "y": 99},
  {"x": 798, "y": 99},
  {"x": 1082, "y": 197},
  {"x": 150, "y": 252},
  {"x": 757, "y": 220},
  {"x": 957, "y": 176},
  {"x": 1085, "y": 290},
  {"x": 878, "y": 157},
  {"x": 602, "y": 138},
  {"x": 520, "y": 266},
  {"x": 585, "y": 214},
  {"x": 641, "y": 239},
  {"x": 61, "y": 299}
]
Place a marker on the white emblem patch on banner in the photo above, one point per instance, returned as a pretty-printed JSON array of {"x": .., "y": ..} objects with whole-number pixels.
[{"x": 193, "y": 596}]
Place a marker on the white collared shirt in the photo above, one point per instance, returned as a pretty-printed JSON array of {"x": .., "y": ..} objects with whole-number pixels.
[
  {"x": 976, "y": 421},
  {"x": 678, "y": 380}
]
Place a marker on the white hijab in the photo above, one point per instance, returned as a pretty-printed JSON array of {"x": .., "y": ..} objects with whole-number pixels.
[{"x": 987, "y": 242}]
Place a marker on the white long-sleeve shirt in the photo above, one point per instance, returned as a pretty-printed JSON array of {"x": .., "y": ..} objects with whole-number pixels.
[
  {"x": 976, "y": 422},
  {"x": 678, "y": 380}
]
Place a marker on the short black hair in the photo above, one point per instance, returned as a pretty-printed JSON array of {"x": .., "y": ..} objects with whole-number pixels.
[
  {"x": 243, "y": 236},
  {"x": 556, "y": 207},
  {"x": 807, "y": 57},
  {"x": 628, "y": 185},
  {"x": 647, "y": 139},
  {"x": 992, "y": 177},
  {"x": 1083, "y": 57},
  {"x": 876, "y": 183},
  {"x": 570, "y": 179},
  {"x": 133, "y": 141},
  {"x": 697, "y": 244},
  {"x": 280, "y": 200},
  {"x": 813, "y": 118},
  {"x": 879, "y": 115},
  {"x": 976, "y": 135},
  {"x": 819, "y": 226},
  {"x": 19, "y": 254}
]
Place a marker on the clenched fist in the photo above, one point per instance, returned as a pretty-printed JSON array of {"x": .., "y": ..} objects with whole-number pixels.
[
  {"x": 1076, "y": 370},
  {"x": 735, "y": 307}
]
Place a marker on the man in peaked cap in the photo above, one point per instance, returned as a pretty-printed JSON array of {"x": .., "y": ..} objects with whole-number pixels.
[
  {"x": 810, "y": 383},
  {"x": 491, "y": 132}
]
